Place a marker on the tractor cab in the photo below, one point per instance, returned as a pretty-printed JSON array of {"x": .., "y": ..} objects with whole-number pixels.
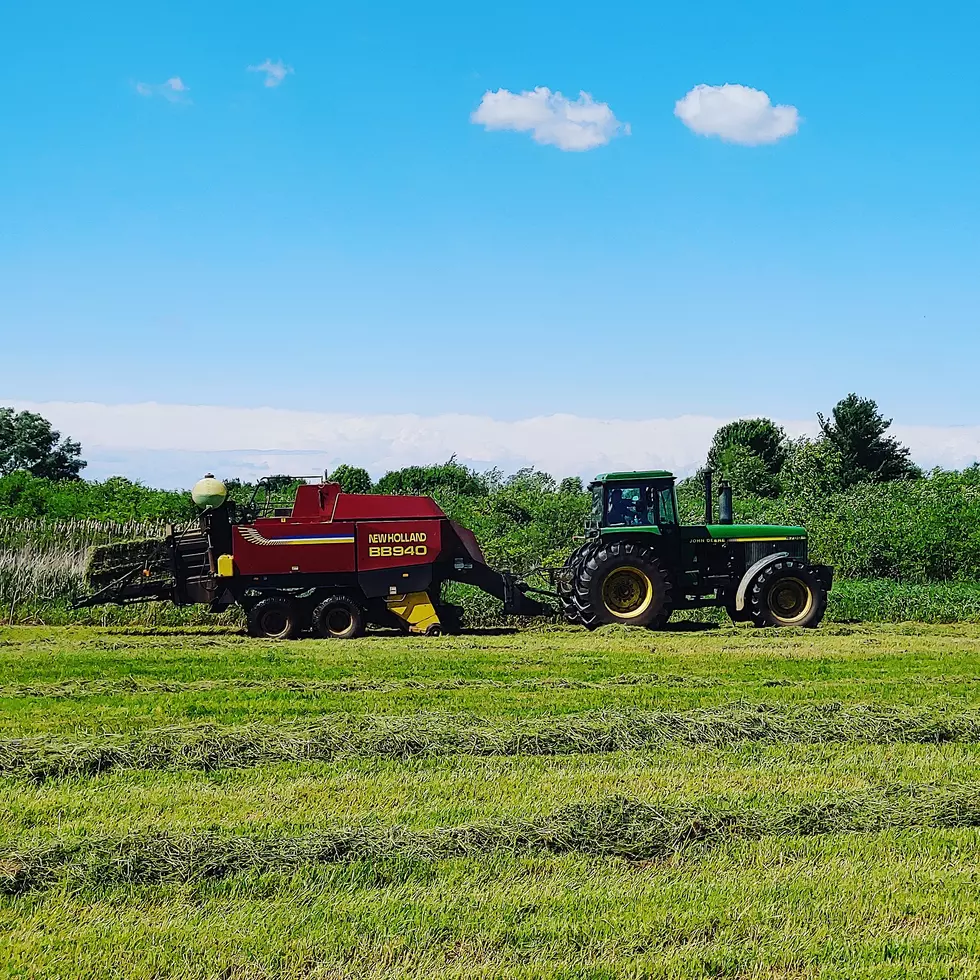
[{"x": 642, "y": 500}]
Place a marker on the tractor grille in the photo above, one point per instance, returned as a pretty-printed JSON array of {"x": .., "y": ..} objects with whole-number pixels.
[{"x": 756, "y": 550}]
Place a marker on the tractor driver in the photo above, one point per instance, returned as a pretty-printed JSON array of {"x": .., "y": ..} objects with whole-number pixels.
[{"x": 618, "y": 509}]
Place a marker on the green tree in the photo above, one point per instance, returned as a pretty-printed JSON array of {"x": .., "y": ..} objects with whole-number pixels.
[
  {"x": 749, "y": 453},
  {"x": 813, "y": 467},
  {"x": 352, "y": 479},
  {"x": 281, "y": 483},
  {"x": 446, "y": 478},
  {"x": 747, "y": 472},
  {"x": 856, "y": 429},
  {"x": 28, "y": 442}
]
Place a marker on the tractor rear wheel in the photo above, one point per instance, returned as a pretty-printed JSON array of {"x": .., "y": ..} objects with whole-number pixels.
[
  {"x": 787, "y": 593},
  {"x": 622, "y": 582},
  {"x": 275, "y": 618},
  {"x": 338, "y": 618}
]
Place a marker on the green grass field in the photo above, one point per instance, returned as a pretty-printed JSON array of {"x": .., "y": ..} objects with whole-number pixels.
[{"x": 701, "y": 802}]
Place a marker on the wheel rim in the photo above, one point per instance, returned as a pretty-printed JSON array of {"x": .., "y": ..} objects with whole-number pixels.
[
  {"x": 790, "y": 600},
  {"x": 338, "y": 621},
  {"x": 274, "y": 622},
  {"x": 627, "y": 592}
]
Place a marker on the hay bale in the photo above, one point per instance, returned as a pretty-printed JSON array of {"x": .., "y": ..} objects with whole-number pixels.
[{"x": 107, "y": 563}]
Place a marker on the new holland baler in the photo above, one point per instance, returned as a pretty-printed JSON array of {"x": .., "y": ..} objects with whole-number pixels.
[{"x": 330, "y": 563}]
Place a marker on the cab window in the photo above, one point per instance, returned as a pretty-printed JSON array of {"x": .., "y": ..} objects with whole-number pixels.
[
  {"x": 620, "y": 505},
  {"x": 666, "y": 507},
  {"x": 640, "y": 505}
]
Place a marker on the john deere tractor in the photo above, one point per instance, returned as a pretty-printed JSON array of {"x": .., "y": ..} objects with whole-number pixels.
[{"x": 638, "y": 563}]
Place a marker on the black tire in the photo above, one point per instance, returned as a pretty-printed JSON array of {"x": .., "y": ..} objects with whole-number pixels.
[
  {"x": 622, "y": 582},
  {"x": 745, "y": 616},
  {"x": 339, "y": 618},
  {"x": 450, "y": 618},
  {"x": 275, "y": 618},
  {"x": 571, "y": 613},
  {"x": 566, "y": 582},
  {"x": 787, "y": 593}
]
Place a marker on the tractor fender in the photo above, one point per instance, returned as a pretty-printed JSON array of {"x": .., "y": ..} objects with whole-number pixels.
[{"x": 751, "y": 573}]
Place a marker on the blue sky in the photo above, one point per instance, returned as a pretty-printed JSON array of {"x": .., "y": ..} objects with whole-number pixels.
[{"x": 349, "y": 241}]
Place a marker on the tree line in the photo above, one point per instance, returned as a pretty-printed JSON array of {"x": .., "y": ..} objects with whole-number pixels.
[{"x": 868, "y": 509}]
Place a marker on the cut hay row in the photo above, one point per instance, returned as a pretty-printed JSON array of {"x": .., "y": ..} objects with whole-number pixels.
[
  {"x": 100, "y": 687},
  {"x": 616, "y": 828},
  {"x": 402, "y": 737}
]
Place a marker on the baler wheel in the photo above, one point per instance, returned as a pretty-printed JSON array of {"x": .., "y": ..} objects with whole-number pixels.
[
  {"x": 338, "y": 618},
  {"x": 787, "y": 593},
  {"x": 275, "y": 618}
]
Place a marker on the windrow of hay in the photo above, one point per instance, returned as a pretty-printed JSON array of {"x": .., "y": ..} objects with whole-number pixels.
[
  {"x": 616, "y": 827},
  {"x": 407, "y": 736},
  {"x": 76, "y": 688}
]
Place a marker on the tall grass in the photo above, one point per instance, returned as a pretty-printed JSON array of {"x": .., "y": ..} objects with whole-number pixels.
[
  {"x": 42, "y": 563},
  {"x": 74, "y": 534}
]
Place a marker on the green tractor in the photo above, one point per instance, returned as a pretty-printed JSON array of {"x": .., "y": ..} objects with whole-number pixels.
[{"x": 638, "y": 563}]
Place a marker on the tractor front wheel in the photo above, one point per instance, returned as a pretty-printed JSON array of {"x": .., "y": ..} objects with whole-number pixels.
[
  {"x": 787, "y": 593},
  {"x": 622, "y": 582}
]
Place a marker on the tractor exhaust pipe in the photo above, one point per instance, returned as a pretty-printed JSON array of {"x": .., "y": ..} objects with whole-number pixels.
[
  {"x": 709, "y": 502},
  {"x": 725, "y": 512}
]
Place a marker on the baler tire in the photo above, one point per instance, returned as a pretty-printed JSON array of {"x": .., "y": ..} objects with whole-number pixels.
[
  {"x": 643, "y": 577},
  {"x": 275, "y": 618},
  {"x": 339, "y": 618},
  {"x": 802, "y": 600}
]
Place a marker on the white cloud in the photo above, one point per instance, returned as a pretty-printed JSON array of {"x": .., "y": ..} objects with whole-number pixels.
[
  {"x": 736, "y": 114},
  {"x": 275, "y": 72},
  {"x": 550, "y": 118},
  {"x": 173, "y": 90},
  {"x": 172, "y": 445}
]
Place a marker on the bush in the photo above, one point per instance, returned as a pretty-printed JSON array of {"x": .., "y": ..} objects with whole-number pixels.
[{"x": 115, "y": 499}]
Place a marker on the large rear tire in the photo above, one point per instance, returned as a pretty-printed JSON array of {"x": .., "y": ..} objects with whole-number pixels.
[
  {"x": 622, "y": 582},
  {"x": 787, "y": 593},
  {"x": 275, "y": 618}
]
